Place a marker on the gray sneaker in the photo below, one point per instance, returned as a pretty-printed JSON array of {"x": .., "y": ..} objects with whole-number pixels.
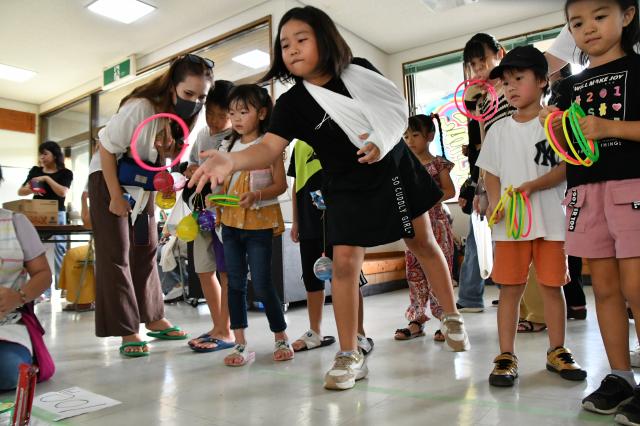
[
  {"x": 455, "y": 335},
  {"x": 347, "y": 368}
]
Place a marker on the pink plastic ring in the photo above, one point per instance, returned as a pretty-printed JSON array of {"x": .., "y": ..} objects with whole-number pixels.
[
  {"x": 494, "y": 100},
  {"x": 136, "y": 134},
  {"x": 464, "y": 111},
  {"x": 553, "y": 141}
]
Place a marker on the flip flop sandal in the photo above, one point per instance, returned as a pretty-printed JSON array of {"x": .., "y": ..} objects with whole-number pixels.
[
  {"x": 219, "y": 344},
  {"x": 312, "y": 340},
  {"x": 6, "y": 406},
  {"x": 242, "y": 352},
  {"x": 405, "y": 333},
  {"x": 282, "y": 345},
  {"x": 438, "y": 336},
  {"x": 164, "y": 334},
  {"x": 133, "y": 354},
  {"x": 200, "y": 337},
  {"x": 525, "y": 326}
]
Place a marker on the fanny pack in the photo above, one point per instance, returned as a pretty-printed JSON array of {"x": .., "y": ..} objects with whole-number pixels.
[{"x": 131, "y": 174}]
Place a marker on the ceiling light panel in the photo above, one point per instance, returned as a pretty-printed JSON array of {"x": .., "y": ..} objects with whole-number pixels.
[{"x": 126, "y": 11}]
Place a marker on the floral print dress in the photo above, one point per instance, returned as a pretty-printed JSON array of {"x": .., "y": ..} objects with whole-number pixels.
[{"x": 420, "y": 292}]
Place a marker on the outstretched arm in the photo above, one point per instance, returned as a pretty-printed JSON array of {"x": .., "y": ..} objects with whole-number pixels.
[{"x": 219, "y": 164}]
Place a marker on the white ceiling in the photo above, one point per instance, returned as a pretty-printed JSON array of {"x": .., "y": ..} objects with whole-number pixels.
[
  {"x": 397, "y": 25},
  {"x": 67, "y": 45}
]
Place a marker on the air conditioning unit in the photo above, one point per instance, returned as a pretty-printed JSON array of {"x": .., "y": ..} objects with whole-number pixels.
[{"x": 440, "y": 5}]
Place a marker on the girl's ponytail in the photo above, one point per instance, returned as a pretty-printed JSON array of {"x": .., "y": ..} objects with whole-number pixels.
[{"x": 437, "y": 119}]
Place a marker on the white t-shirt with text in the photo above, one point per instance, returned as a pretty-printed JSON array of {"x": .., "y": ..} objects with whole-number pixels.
[{"x": 517, "y": 153}]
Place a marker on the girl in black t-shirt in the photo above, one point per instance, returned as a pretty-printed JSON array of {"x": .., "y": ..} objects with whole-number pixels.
[
  {"x": 603, "y": 201},
  {"x": 371, "y": 200}
]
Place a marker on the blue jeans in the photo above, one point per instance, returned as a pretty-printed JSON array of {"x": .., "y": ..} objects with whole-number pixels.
[
  {"x": 11, "y": 356},
  {"x": 251, "y": 248},
  {"x": 58, "y": 252},
  {"x": 471, "y": 284}
]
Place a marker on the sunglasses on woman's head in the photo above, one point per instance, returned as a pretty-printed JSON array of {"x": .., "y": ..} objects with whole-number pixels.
[{"x": 198, "y": 60}]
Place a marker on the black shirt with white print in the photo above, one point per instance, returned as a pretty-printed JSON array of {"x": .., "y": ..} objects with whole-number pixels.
[{"x": 610, "y": 91}]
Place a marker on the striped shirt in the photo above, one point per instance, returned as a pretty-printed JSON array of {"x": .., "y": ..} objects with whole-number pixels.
[{"x": 504, "y": 110}]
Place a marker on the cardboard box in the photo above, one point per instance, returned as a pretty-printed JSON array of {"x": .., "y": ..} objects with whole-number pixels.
[{"x": 39, "y": 212}]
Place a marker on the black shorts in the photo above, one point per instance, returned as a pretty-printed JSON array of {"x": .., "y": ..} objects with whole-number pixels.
[{"x": 310, "y": 251}]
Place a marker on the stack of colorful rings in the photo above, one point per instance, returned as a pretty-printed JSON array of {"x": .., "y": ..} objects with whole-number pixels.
[
  {"x": 516, "y": 204},
  {"x": 589, "y": 147},
  {"x": 462, "y": 107},
  {"x": 224, "y": 200}
]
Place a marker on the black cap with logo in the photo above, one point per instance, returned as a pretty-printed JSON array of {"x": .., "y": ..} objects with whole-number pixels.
[{"x": 523, "y": 57}]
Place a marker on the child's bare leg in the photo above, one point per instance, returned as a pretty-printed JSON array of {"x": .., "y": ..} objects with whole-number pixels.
[
  {"x": 508, "y": 312},
  {"x": 347, "y": 262},
  {"x": 554, "y": 313},
  {"x": 630, "y": 283},
  {"x": 612, "y": 311}
]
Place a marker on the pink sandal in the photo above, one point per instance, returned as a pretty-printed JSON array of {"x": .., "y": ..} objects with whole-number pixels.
[
  {"x": 282, "y": 345},
  {"x": 242, "y": 352}
]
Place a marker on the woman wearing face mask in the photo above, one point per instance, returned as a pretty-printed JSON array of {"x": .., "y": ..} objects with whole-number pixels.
[{"x": 127, "y": 284}]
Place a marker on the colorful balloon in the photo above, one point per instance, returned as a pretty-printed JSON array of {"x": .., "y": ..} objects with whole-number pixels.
[
  {"x": 37, "y": 187},
  {"x": 179, "y": 181},
  {"x": 163, "y": 182},
  {"x": 323, "y": 268},
  {"x": 187, "y": 229},
  {"x": 207, "y": 220},
  {"x": 165, "y": 200}
]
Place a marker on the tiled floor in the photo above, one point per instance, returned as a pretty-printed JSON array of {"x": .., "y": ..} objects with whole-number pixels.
[{"x": 410, "y": 383}]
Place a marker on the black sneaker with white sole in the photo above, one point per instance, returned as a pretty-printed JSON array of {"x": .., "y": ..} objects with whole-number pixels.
[
  {"x": 613, "y": 392},
  {"x": 629, "y": 412}
]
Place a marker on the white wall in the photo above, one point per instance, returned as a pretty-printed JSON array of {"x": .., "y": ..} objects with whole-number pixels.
[
  {"x": 19, "y": 152},
  {"x": 433, "y": 49}
]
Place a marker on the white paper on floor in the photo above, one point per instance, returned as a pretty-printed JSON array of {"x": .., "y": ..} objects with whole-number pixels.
[{"x": 72, "y": 402}]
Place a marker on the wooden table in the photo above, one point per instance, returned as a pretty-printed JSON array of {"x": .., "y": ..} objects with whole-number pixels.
[{"x": 69, "y": 231}]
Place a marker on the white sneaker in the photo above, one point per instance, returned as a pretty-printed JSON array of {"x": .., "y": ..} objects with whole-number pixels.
[
  {"x": 174, "y": 294},
  {"x": 347, "y": 368},
  {"x": 635, "y": 357},
  {"x": 365, "y": 344},
  {"x": 455, "y": 335}
]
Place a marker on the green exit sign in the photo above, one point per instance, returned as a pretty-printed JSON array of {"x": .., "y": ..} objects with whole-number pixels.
[{"x": 118, "y": 72}]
